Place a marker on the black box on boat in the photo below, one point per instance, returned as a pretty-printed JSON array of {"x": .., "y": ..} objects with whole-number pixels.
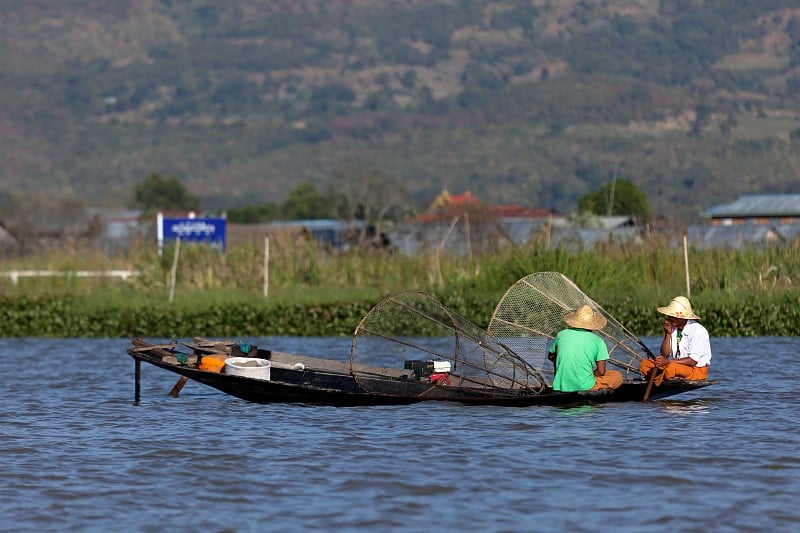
[{"x": 420, "y": 369}]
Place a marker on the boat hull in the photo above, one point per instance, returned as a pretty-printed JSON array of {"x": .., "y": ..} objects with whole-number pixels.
[{"x": 325, "y": 387}]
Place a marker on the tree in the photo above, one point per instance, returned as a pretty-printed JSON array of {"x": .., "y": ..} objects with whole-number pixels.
[
  {"x": 305, "y": 202},
  {"x": 368, "y": 195},
  {"x": 156, "y": 193},
  {"x": 58, "y": 221},
  {"x": 702, "y": 119},
  {"x": 624, "y": 197},
  {"x": 254, "y": 214}
]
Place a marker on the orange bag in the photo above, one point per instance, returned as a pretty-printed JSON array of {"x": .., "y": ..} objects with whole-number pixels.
[{"x": 212, "y": 363}]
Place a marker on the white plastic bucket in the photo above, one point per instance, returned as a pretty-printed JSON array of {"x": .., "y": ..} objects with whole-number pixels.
[{"x": 250, "y": 367}]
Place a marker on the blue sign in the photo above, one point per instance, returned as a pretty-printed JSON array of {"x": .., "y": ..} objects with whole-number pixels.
[{"x": 189, "y": 229}]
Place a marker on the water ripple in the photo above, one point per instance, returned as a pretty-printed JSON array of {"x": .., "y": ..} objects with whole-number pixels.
[{"x": 78, "y": 455}]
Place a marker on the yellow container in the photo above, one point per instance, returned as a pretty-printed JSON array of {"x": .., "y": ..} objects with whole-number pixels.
[{"x": 212, "y": 363}]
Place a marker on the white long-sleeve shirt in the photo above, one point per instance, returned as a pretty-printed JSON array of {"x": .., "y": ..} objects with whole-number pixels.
[{"x": 694, "y": 343}]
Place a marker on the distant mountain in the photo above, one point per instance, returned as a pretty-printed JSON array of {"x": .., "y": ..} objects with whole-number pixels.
[{"x": 532, "y": 102}]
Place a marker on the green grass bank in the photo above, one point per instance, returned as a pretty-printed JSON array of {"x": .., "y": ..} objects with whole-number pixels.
[{"x": 310, "y": 292}]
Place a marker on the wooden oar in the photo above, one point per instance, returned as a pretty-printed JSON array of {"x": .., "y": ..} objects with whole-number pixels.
[
  {"x": 650, "y": 384},
  {"x": 176, "y": 389}
]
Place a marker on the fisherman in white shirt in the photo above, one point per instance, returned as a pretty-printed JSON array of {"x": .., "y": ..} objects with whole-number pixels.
[{"x": 685, "y": 349}]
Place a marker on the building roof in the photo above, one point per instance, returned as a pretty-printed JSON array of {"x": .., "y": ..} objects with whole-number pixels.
[
  {"x": 318, "y": 224},
  {"x": 616, "y": 222},
  {"x": 586, "y": 238},
  {"x": 447, "y": 200},
  {"x": 739, "y": 236},
  {"x": 447, "y": 204},
  {"x": 414, "y": 236},
  {"x": 6, "y": 237},
  {"x": 519, "y": 211},
  {"x": 758, "y": 205}
]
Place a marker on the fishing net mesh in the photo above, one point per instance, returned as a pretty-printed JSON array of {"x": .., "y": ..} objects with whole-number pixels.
[
  {"x": 531, "y": 313},
  {"x": 413, "y": 326}
]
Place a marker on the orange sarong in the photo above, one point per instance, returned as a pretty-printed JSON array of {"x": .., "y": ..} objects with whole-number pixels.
[
  {"x": 611, "y": 380},
  {"x": 673, "y": 370}
]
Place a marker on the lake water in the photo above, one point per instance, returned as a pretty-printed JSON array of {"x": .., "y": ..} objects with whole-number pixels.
[{"x": 77, "y": 454}]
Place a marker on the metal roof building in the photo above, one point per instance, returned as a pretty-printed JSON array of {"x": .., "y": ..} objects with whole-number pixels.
[
  {"x": 757, "y": 209},
  {"x": 743, "y": 235}
]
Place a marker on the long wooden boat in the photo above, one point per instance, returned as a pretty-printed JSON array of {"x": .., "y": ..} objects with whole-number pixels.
[
  {"x": 447, "y": 358},
  {"x": 311, "y": 380}
]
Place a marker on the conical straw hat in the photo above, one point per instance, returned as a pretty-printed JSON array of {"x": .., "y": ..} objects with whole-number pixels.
[
  {"x": 585, "y": 318},
  {"x": 679, "y": 307}
]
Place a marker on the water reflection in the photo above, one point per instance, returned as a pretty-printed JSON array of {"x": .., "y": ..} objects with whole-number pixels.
[
  {"x": 576, "y": 410},
  {"x": 685, "y": 407}
]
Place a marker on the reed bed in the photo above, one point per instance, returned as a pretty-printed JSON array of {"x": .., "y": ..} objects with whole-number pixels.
[{"x": 311, "y": 283}]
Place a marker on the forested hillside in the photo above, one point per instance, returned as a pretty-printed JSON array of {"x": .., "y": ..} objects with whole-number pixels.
[{"x": 534, "y": 102}]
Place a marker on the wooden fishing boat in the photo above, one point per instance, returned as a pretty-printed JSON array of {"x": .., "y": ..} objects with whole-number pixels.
[
  {"x": 311, "y": 380},
  {"x": 411, "y": 348}
]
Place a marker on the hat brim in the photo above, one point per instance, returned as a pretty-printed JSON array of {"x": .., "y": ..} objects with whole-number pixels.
[
  {"x": 598, "y": 321},
  {"x": 677, "y": 314}
]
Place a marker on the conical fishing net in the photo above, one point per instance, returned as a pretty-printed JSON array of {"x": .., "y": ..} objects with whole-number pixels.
[
  {"x": 418, "y": 335},
  {"x": 531, "y": 313}
]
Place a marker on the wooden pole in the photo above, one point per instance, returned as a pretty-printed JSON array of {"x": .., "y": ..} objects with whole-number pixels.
[
  {"x": 447, "y": 233},
  {"x": 176, "y": 389},
  {"x": 266, "y": 266},
  {"x": 137, "y": 372},
  {"x": 613, "y": 185},
  {"x": 466, "y": 230},
  {"x": 650, "y": 384},
  {"x": 441, "y": 247},
  {"x": 549, "y": 230},
  {"x": 686, "y": 267},
  {"x": 174, "y": 272}
]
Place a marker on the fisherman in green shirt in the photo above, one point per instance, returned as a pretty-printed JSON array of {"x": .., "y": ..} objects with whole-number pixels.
[{"x": 579, "y": 355}]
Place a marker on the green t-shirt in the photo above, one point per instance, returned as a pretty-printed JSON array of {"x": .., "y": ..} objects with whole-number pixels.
[{"x": 577, "y": 352}]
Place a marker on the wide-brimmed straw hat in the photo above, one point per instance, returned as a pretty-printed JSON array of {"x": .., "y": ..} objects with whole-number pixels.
[
  {"x": 584, "y": 318},
  {"x": 679, "y": 307}
]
